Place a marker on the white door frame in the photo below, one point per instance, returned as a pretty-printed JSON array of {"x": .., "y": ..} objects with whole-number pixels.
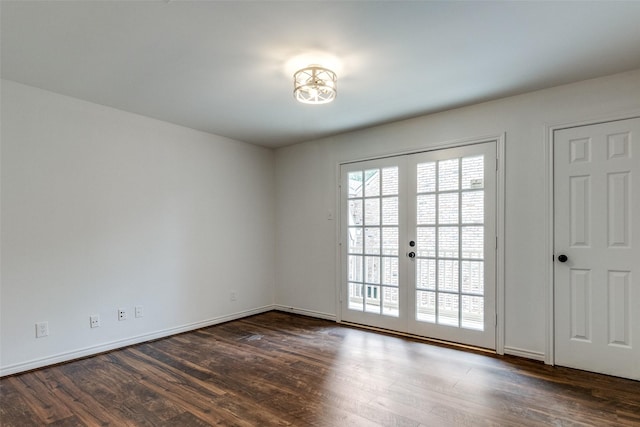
[
  {"x": 500, "y": 140},
  {"x": 549, "y": 354}
]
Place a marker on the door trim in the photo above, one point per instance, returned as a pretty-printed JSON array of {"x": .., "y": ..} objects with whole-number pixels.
[
  {"x": 500, "y": 140},
  {"x": 549, "y": 131}
]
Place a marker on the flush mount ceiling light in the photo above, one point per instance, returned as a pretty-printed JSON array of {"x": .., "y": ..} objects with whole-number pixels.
[{"x": 314, "y": 85}]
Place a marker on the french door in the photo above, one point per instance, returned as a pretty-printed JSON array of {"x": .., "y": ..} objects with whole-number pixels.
[{"x": 418, "y": 243}]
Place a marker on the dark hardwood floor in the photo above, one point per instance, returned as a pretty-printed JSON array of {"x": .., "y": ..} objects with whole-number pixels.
[{"x": 281, "y": 369}]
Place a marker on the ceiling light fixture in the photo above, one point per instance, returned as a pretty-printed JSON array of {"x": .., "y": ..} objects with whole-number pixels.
[{"x": 314, "y": 85}]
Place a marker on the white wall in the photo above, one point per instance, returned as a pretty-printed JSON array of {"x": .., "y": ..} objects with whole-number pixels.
[
  {"x": 306, "y": 189},
  {"x": 104, "y": 209}
]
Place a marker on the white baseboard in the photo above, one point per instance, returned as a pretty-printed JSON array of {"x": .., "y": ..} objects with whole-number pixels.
[
  {"x": 305, "y": 312},
  {"x": 101, "y": 348},
  {"x": 528, "y": 354}
]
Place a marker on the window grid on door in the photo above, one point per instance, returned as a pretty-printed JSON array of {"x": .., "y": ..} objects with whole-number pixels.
[
  {"x": 450, "y": 242},
  {"x": 373, "y": 246}
]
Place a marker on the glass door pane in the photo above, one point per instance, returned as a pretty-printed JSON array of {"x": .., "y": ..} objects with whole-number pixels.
[
  {"x": 451, "y": 242},
  {"x": 373, "y": 247},
  {"x": 450, "y": 191},
  {"x": 371, "y": 192}
]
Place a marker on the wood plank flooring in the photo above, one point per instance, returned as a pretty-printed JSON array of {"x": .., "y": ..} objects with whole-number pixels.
[{"x": 277, "y": 369}]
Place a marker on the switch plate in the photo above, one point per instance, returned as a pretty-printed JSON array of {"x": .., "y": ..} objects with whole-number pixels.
[
  {"x": 42, "y": 329},
  {"x": 139, "y": 311},
  {"x": 233, "y": 296}
]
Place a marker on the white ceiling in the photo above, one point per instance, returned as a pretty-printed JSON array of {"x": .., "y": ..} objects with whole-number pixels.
[{"x": 225, "y": 67}]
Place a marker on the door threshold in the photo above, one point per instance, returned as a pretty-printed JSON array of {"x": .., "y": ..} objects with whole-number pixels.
[{"x": 419, "y": 337}]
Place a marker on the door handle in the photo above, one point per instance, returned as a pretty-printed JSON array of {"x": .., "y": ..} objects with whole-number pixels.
[
  {"x": 563, "y": 258},
  {"x": 411, "y": 254}
]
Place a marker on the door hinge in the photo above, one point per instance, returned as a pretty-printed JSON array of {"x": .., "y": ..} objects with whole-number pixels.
[
  {"x": 497, "y": 163},
  {"x": 496, "y": 325},
  {"x": 496, "y": 242}
]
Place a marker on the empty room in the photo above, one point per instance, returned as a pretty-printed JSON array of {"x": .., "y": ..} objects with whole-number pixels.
[{"x": 319, "y": 213}]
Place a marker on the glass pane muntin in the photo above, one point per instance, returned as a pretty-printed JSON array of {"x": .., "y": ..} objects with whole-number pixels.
[
  {"x": 453, "y": 242},
  {"x": 373, "y": 246}
]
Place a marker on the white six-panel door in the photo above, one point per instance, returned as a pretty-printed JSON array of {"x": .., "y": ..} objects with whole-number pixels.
[
  {"x": 418, "y": 243},
  {"x": 597, "y": 247}
]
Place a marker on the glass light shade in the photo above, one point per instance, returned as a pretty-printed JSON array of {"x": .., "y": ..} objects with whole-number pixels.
[{"x": 314, "y": 85}]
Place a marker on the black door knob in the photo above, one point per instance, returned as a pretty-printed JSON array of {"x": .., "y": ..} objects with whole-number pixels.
[
  {"x": 412, "y": 254},
  {"x": 412, "y": 243},
  {"x": 562, "y": 258}
]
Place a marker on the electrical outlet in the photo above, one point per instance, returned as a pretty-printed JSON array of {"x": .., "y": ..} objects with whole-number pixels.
[
  {"x": 42, "y": 329},
  {"x": 94, "y": 321},
  {"x": 139, "y": 311},
  {"x": 233, "y": 296},
  {"x": 122, "y": 314}
]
